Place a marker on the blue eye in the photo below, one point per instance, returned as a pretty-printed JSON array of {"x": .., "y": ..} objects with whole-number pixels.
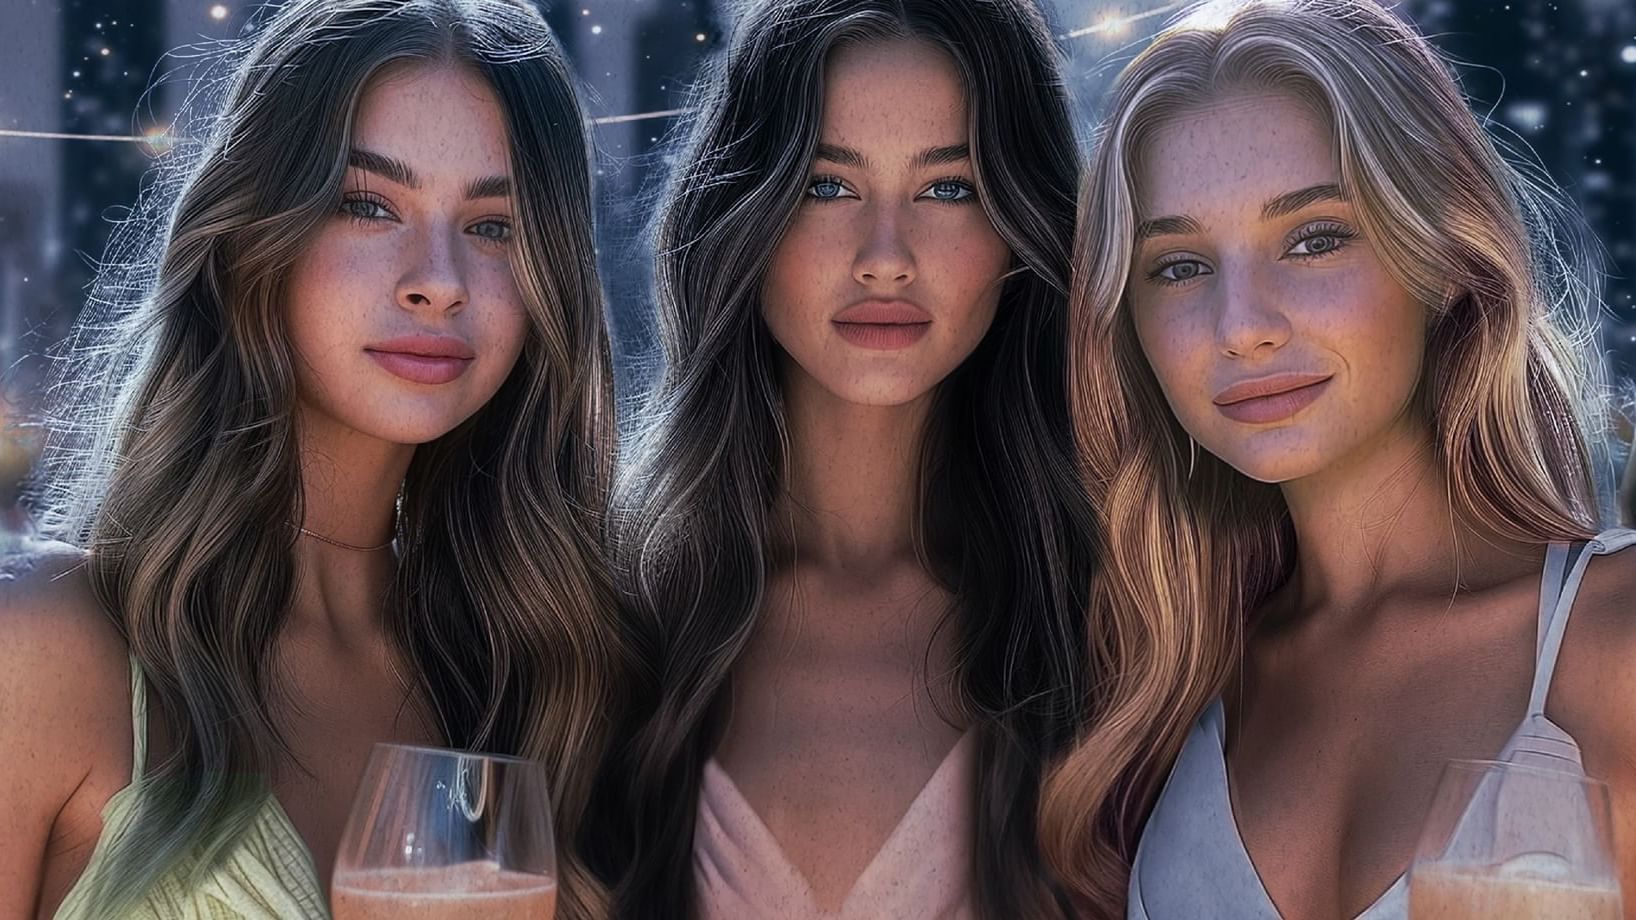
[
  {"x": 828, "y": 188},
  {"x": 1320, "y": 239},
  {"x": 950, "y": 190},
  {"x": 1321, "y": 244},
  {"x": 492, "y": 230},
  {"x": 364, "y": 208},
  {"x": 1180, "y": 271}
]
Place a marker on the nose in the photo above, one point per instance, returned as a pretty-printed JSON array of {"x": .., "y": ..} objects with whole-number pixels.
[
  {"x": 885, "y": 257},
  {"x": 1250, "y": 322},
  {"x": 435, "y": 278}
]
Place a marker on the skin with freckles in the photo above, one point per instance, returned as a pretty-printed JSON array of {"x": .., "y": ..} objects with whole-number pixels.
[
  {"x": 402, "y": 258},
  {"x": 891, "y": 213},
  {"x": 1406, "y": 635},
  {"x": 847, "y": 665},
  {"x": 1222, "y": 293}
]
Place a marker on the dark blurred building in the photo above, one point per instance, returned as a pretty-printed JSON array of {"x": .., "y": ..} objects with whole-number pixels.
[
  {"x": 109, "y": 51},
  {"x": 1562, "y": 77}
]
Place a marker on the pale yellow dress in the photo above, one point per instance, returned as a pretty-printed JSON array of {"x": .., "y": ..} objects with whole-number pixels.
[{"x": 268, "y": 875}]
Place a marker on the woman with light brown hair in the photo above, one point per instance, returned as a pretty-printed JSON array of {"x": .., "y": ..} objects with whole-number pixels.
[
  {"x": 1333, "y": 417},
  {"x": 328, "y": 471}
]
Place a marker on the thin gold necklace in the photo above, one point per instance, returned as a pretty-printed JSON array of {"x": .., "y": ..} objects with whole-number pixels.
[{"x": 333, "y": 542}]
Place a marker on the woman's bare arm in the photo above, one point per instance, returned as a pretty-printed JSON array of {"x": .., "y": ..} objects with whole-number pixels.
[{"x": 65, "y": 731}]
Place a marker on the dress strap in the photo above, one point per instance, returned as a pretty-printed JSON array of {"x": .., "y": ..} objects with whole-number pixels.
[
  {"x": 139, "y": 722},
  {"x": 1564, "y": 571}
]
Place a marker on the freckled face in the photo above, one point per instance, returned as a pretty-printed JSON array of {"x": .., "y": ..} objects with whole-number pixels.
[
  {"x": 402, "y": 310},
  {"x": 1280, "y": 340},
  {"x": 890, "y": 272}
]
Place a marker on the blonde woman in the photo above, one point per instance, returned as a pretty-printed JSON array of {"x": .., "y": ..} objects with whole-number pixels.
[
  {"x": 1330, "y": 413},
  {"x": 331, "y": 476}
]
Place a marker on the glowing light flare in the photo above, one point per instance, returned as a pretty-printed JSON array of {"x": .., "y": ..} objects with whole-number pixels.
[
  {"x": 157, "y": 141},
  {"x": 1113, "y": 25},
  {"x": 218, "y": 12},
  {"x": 1117, "y": 23}
]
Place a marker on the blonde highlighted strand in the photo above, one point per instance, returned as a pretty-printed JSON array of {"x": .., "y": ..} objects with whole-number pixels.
[{"x": 1513, "y": 403}]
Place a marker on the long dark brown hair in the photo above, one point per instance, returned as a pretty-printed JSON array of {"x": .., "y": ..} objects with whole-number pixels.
[
  {"x": 175, "y": 460},
  {"x": 1000, "y": 510}
]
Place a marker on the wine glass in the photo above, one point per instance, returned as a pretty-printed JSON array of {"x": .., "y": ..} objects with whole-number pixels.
[
  {"x": 437, "y": 834},
  {"x": 1505, "y": 841}
]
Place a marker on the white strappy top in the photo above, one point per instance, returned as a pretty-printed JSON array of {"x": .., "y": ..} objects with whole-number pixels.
[
  {"x": 1191, "y": 861},
  {"x": 922, "y": 872}
]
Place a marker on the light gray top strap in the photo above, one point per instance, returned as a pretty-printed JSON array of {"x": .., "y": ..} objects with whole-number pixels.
[{"x": 1564, "y": 571}]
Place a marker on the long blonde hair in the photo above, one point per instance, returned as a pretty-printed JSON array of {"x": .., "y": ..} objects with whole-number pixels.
[
  {"x": 174, "y": 461},
  {"x": 1188, "y": 558}
]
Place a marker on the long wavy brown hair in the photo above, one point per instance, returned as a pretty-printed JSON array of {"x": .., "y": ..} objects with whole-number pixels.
[
  {"x": 1510, "y": 295},
  {"x": 173, "y": 458}
]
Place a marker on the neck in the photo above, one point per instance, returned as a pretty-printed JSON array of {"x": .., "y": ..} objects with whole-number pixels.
[
  {"x": 349, "y": 484},
  {"x": 1382, "y": 521},
  {"x": 854, "y": 476}
]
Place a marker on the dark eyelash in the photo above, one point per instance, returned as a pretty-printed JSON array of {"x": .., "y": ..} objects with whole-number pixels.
[
  {"x": 961, "y": 181},
  {"x": 1339, "y": 231},
  {"x": 511, "y": 231},
  {"x": 369, "y": 197},
  {"x": 822, "y": 180},
  {"x": 1156, "y": 275}
]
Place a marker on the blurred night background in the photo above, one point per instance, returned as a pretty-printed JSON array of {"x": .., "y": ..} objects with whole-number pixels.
[{"x": 1559, "y": 77}]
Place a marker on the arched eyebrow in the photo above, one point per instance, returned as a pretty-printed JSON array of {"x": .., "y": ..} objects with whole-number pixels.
[
  {"x": 843, "y": 156},
  {"x": 398, "y": 171},
  {"x": 1279, "y": 206},
  {"x": 1167, "y": 226},
  {"x": 937, "y": 156},
  {"x": 1290, "y": 202},
  {"x": 383, "y": 166},
  {"x": 931, "y": 156},
  {"x": 488, "y": 187}
]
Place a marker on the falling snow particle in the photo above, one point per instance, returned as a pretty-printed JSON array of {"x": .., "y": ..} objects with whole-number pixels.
[{"x": 1529, "y": 115}]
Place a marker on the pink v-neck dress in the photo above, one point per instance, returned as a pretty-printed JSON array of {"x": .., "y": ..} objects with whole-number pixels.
[{"x": 922, "y": 872}]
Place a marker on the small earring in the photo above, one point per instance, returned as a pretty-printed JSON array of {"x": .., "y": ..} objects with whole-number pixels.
[{"x": 1192, "y": 456}]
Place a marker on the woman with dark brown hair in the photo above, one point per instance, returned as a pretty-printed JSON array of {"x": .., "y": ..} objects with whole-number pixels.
[{"x": 848, "y": 529}]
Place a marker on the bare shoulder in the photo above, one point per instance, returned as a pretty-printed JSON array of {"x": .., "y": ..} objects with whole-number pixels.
[
  {"x": 63, "y": 665},
  {"x": 65, "y": 720},
  {"x": 1594, "y": 687},
  {"x": 50, "y": 621}
]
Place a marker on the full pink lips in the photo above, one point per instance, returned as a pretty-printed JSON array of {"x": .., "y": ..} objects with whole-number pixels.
[
  {"x": 428, "y": 359},
  {"x": 883, "y": 325},
  {"x": 1270, "y": 399}
]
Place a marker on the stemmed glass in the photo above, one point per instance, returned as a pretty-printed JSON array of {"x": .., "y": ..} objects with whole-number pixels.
[
  {"x": 1505, "y": 841},
  {"x": 437, "y": 834}
]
